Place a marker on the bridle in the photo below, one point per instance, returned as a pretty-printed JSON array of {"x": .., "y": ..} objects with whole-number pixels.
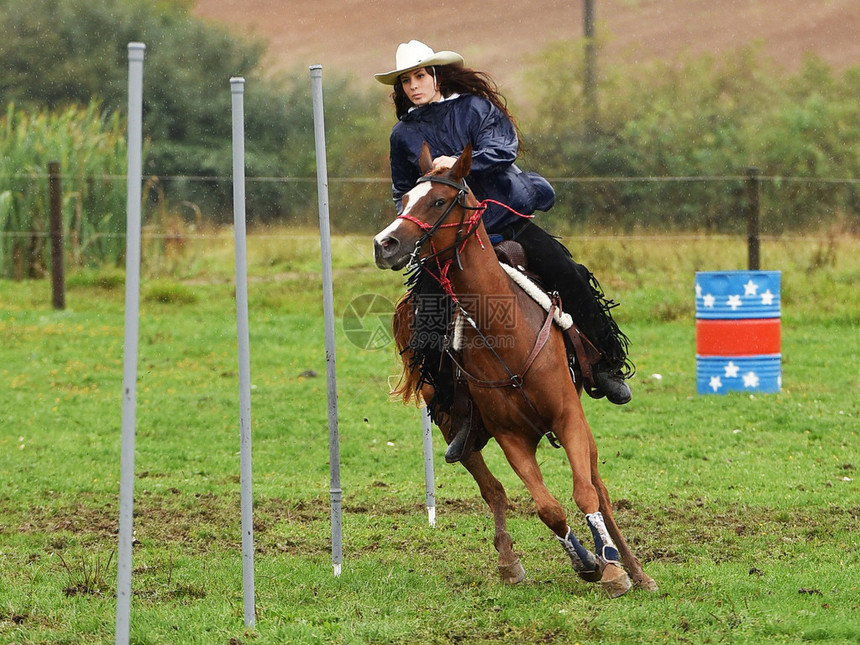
[{"x": 460, "y": 237}]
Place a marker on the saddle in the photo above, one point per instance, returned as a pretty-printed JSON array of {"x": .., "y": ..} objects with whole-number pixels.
[
  {"x": 581, "y": 351},
  {"x": 513, "y": 254}
]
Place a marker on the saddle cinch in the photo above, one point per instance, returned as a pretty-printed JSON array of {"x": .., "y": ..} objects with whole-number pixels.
[{"x": 583, "y": 354}]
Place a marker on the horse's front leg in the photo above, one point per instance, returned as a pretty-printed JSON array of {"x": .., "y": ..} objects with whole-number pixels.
[
  {"x": 510, "y": 569},
  {"x": 520, "y": 453},
  {"x": 578, "y": 442},
  {"x": 631, "y": 562}
]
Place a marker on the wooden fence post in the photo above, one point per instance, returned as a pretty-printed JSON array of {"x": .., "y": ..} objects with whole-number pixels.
[
  {"x": 590, "y": 71},
  {"x": 58, "y": 277},
  {"x": 753, "y": 241}
]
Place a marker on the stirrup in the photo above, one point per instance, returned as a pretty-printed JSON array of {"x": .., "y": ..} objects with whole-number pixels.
[
  {"x": 457, "y": 447},
  {"x": 461, "y": 420}
]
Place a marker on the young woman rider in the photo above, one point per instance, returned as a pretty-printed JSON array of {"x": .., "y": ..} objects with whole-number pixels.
[{"x": 439, "y": 101}]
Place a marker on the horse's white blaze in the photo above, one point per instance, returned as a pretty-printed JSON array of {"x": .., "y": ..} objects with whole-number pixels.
[
  {"x": 387, "y": 232},
  {"x": 415, "y": 195},
  {"x": 410, "y": 199}
]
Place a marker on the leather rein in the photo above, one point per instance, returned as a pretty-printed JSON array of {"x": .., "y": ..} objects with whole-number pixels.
[{"x": 514, "y": 380}]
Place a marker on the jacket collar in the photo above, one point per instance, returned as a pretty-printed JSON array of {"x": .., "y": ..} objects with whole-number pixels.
[{"x": 421, "y": 108}]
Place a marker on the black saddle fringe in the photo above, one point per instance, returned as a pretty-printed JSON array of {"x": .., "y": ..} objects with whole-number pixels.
[{"x": 614, "y": 343}]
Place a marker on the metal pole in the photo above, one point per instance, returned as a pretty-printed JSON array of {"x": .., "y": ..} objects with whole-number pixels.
[
  {"x": 239, "y": 236},
  {"x": 132, "y": 312},
  {"x": 429, "y": 483},
  {"x": 328, "y": 311},
  {"x": 58, "y": 274},
  {"x": 753, "y": 241}
]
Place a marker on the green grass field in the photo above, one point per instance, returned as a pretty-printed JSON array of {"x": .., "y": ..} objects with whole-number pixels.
[{"x": 744, "y": 508}]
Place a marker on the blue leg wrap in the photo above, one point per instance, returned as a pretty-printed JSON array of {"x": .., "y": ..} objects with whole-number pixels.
[
  {"x": 604, "y": 545},
  {"x": 583, "y": 560}
]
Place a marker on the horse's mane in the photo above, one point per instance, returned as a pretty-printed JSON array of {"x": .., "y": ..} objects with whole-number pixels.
[
  {"x": 402, "y": 324},
  {"x": 419, "y": 325}
]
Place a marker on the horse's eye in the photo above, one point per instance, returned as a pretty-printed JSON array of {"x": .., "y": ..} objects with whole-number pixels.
[{"x": 439, "y": 203}]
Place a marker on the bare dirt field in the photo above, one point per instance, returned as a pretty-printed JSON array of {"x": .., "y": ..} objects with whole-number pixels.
[{"x": 499, "y": 35}]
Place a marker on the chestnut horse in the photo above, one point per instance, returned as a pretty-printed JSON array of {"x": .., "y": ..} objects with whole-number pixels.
[{"x": 522, "y": 389}]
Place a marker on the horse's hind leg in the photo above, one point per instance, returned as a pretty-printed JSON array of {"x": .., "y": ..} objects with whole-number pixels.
[{"x": 510, "y": 569}]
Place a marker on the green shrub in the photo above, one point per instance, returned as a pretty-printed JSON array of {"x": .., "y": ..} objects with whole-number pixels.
[
  {"x": 168, "y": 292},
  {"x": 670, "y": 152},
  {"x": 80, "y": 54},
  {"x": 108, "y": 278},
  {"x": 707, "y": 121}
]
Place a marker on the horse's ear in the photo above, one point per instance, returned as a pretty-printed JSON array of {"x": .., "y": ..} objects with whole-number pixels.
[
  {"x": 464, "y": 163},
  {"x": 425, "y": 159}
]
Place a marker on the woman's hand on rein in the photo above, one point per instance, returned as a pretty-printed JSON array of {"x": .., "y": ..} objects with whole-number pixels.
[{"x": 443, "y": 162}]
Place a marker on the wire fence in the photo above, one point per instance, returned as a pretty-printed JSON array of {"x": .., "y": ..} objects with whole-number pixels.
[
  {"x": 49, "y": 221},
  {"x": 193, "y": 206},
  {"x": 385, "y": 180}
]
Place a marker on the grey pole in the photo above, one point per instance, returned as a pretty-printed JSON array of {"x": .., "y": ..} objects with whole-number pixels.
[
  {"x": 429, "y": 483},
  {"x": 132, "y": 312},
  {"x": 238, "y": 89},
  {"x": 328, "y": 312}
]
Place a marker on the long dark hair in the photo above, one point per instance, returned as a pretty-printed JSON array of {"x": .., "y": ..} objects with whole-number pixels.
[{"x": 458, "y": 80}]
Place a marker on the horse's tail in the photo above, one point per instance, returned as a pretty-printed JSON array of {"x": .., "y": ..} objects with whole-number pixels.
[{"x": 402, "y": 324}]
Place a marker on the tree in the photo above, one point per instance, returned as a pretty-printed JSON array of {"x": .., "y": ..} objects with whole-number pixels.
[{"x": 59, "y": 52}]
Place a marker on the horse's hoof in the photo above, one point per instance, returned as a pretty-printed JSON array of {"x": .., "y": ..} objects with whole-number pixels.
[
  {"x": 513, "y": 573},
  {"x": 647, "y": 583},
  {"x": 615, "y": 581}
]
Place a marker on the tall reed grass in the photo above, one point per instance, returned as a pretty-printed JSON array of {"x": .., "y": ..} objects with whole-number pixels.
[{"x": 90, "y": 146}]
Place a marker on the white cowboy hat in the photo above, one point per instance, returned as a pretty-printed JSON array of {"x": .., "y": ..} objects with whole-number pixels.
[{"x": 413, "y": 55}]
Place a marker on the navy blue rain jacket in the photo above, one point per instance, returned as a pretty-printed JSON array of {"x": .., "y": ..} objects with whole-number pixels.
[{"x": 447, "y": 126}]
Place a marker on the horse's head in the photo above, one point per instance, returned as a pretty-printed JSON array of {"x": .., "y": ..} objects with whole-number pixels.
[{"x": 431, "y": 210}]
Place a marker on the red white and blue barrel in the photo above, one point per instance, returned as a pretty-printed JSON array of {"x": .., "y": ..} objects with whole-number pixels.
[{"x": 738, "y": 343}]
